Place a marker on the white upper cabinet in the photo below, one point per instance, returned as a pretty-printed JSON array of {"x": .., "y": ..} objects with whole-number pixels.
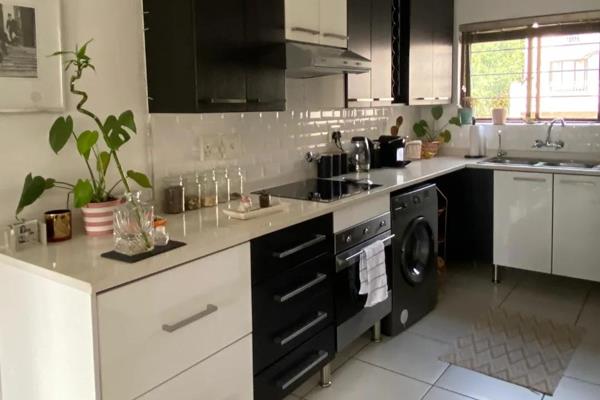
[
  {"x": 523, "y": 220},
  {"x": 317, "y": 21},
  {"x": 334, "y": 23},
  {"x": 576, "y": 225},
  {"x": 302, "y": 22}
]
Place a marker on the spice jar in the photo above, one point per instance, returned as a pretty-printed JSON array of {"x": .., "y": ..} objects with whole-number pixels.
[
  {"x": 174, "y": 195},
  {"x": 224, "y": 185},
  {"x": 237, "y": 181},
  {"x": 210, "y": 192},
  {"x": 193, "y": 192}
]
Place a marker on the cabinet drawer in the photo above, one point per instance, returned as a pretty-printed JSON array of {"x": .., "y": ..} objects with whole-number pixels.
[
  {"x": 287, "y": 374},
  {"x": 153, "y": 329},
  {"x": 280, "y": 251},
  {"x": 212, "y": 379}
]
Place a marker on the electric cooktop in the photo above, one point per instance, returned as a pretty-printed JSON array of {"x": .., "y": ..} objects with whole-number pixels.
[{"x": 321, "y": 190}]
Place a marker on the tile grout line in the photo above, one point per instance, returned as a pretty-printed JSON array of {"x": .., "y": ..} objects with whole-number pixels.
[
  {"x": 581, "y": 380},
  {"x": 392, "y": 371},
  {"x": 585, "y": 301},
  {"x": 507, "y": 295}
]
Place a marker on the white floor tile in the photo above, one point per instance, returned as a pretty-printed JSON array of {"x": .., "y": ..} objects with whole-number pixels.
[
  {"x": 306, "y": 387},
  {"x": 442, "y": 394},
  {"x": 359, "y": 381},
  {"x": 585, "y": 364},
  {"x": 483, "y": 387},
  {"x": 410, "y": 355},
  {"x": 571, "y": 389}
]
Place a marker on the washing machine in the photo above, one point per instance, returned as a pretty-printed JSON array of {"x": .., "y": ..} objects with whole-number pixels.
[{"x": 414, "y": 249}]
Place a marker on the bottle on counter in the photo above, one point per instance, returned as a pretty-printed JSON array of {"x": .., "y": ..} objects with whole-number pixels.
[
  {"x": 237, "y": 180},
  {"x": 224, "y": 185},
  {"x": 193, "y": 192},
  {"x": 210, "y": 192},
  {"x": 174, "y": 195}
]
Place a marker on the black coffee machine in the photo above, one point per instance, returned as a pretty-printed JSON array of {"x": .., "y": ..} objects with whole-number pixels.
[{"x": 392, "y": 152}]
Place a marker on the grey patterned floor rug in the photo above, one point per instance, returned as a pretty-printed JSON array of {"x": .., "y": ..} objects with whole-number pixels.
[{"x": 517, "y": 348}]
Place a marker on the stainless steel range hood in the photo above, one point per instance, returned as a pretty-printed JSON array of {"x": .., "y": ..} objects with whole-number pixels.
[{"x": 310, "y": 61}]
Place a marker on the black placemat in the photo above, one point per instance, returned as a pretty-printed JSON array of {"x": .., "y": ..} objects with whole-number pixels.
[{"x": 172, "y": 245}]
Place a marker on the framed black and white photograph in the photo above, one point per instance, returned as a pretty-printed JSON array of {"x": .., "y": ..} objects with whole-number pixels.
[{"x": 30, "y": 80}]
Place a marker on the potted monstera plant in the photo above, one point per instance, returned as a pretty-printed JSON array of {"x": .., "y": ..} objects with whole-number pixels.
[
  {"x": 99, "y": 150},
  {"x": 433, "y": 136}
]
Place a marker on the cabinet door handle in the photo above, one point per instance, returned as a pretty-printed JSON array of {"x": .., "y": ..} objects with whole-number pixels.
[
  {"x": 442, "y": 98},
  {"x": 172, "y": 328},
  {"x": 571, "y": 182},
  {"x": 303, "y": 370},
  {"x": 213, "y": 100},
  {"x": 290, "y": 295},
  {"x": 384, "y": 99},
  {"x": 321, "y": 316},
  {"x": 305, "y": 30},
  {"x": 336, "y": 36},
  {"x": 362, "y": 99},
  {"x": 524, "y": 179},
  {"x": 425, "y": 98},
  {"x": 317, "y": 239}
]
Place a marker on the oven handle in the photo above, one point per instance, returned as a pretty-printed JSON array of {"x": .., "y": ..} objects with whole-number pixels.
[{"x": 360, "y": 252}]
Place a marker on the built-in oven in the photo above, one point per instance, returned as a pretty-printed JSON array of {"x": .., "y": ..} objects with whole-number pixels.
[{"x": 352, "y": 318}]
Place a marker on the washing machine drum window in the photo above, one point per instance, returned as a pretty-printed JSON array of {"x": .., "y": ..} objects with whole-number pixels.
[{"x": 417, "y": 251}]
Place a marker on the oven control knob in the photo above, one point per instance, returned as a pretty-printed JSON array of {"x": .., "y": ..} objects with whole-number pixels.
[
  {"x": 348, "y": 239},
  {"x": 382, "y": 224},
  {"x": 416, "y": 200},
  {"x": 365, "y": 231}
]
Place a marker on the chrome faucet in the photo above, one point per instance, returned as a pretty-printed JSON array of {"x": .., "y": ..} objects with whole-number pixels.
[
  {"x": 501, "y": 153},
  {"x": 557, "y": 145}
]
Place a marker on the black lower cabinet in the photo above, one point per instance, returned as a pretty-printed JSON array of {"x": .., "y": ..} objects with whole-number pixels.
[{"x": 292, "y": 306}]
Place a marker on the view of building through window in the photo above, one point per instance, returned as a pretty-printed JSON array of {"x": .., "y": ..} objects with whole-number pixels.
[{"x": 537, "y": 78}]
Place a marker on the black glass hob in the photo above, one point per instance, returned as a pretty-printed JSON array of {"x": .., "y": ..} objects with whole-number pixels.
[{"x": 321, "y": 190}]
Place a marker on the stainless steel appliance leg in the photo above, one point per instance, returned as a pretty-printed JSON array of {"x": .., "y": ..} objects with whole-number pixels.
[
  {"x": 325, "y": 380},
  {"x": 496, "y": 274},
  {"x": 376, "y": 337}
]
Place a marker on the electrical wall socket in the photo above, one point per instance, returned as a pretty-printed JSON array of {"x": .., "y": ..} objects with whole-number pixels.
[
  {"x": 221, "y": 147},
  {"x": 211, "y": 145}
]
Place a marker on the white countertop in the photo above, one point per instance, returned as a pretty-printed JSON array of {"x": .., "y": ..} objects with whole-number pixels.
[{"x": 78, "y": 263}]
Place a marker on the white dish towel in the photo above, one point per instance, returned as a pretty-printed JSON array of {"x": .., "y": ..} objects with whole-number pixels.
[{"x": 373, "y": 278}]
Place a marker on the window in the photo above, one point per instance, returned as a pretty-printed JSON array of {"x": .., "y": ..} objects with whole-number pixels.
[{"x": 550, "y": 71}]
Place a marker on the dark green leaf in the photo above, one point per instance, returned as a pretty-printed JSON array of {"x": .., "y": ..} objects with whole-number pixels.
[
  {"x": 127, "y": 120},
  {"x": 103, "y": 162},
  {"x": 85, "y": 142},
  {"x": 115, "y": 135},
  {"x": 49, "y": 183},
  {"x": 455, "y": 121},
  {"x": 446, "y": 136},
  {"x": 140, "y": 179},
  {"x": 83, "y": 49},
  {"x": 33, "y": 188},
  {"x": 60, "y": 132},
  {"x": 420, "y": 128},
  {"x": 437, "y": 112},
  {"x": 83, "y": 193}
]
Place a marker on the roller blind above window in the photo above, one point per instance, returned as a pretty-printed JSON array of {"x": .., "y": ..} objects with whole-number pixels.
[{"x": 537, "y": 68}]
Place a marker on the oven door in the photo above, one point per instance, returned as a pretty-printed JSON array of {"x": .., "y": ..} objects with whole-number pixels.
[{"x": 348, "y": 302}]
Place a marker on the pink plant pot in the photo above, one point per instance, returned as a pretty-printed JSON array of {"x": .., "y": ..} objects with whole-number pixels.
[
  {"x": 499, "y": 116},
  {"x": 98, "y": 217}
]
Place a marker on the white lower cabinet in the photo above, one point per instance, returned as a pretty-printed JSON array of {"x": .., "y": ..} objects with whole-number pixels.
[
  {"x": 576, "y": 226},
  {"x": 225, "y": 376},
  {"x": 151, "y": 330},
  {"x": 523, "y": 220}
]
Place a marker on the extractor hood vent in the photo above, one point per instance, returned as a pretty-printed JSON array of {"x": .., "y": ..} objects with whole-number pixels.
[{"x": 310, "y": 61}]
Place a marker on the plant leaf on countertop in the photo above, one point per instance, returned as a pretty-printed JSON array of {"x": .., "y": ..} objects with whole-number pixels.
[{"x": 139, "y": 178}]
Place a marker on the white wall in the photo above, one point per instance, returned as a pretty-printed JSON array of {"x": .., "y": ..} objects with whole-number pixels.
[{"x": 119, "y": 84}]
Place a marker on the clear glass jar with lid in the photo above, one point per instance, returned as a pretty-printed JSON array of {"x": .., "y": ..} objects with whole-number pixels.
[
  {"x": 210, "y": 189},
  {"x": 238, "y": 180},
  {"x": 224, "y": 184},
  {"x": 173, "y": 195},
  {"x": 193, "y": 191}
]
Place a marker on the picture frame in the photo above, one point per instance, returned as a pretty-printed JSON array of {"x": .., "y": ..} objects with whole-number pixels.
[{"x": 31, "y": 81}]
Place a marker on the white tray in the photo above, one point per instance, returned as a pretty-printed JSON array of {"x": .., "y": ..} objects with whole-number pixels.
[{"x": 255, "y": 212}]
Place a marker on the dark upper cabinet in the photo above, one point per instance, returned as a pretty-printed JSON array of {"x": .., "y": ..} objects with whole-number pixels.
[
  {"x": 370, "y": 35},
  {"x": 423, "y": 45},
  {"x": 205, "y": 56}
]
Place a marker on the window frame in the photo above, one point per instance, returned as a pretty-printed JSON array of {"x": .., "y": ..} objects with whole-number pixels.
[{"x": 522, "y": 28}]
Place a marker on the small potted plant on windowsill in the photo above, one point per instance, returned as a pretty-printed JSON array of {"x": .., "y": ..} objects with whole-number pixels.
[
  {"x": 98, "y": 147},
  {"x": 499, "y": 110},
  {"x": 433, "y": 137}
]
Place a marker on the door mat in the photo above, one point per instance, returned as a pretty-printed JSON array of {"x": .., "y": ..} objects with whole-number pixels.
[{"x": 519, "y": 349}]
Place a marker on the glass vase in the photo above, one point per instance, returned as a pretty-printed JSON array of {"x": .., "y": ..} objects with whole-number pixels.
[{"x": 133, "y": 223}]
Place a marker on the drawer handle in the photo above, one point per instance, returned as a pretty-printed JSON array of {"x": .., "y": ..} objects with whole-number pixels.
[
  {"x": 321, "y": 316},
  {"x": 172, "y": 328},
  {"x": 570, "y": 182},
  {"x": 384, "y": 99},
  {"x": 425, "y": 98},
  {"x": 213, "y": 100},
  {"x": 305, "y": 30},
  {"x": 317, "y": 239},
  {"x": 523, "y": 179},
  {"x": 290, "y": 295},
  {"x": 361, "y": 99},
  {"x": 303, "y": 370},
  {"x": 336, "y": 36}
]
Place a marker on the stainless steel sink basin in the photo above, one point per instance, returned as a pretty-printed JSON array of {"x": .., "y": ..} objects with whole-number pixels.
[{"x": 531, "y": 162}]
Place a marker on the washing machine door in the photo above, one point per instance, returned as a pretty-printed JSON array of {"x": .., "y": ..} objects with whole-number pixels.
[{"x": 417, "y": 251}]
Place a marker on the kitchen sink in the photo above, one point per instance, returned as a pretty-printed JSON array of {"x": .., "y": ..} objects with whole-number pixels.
[{"x": 532, "y": 162}]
